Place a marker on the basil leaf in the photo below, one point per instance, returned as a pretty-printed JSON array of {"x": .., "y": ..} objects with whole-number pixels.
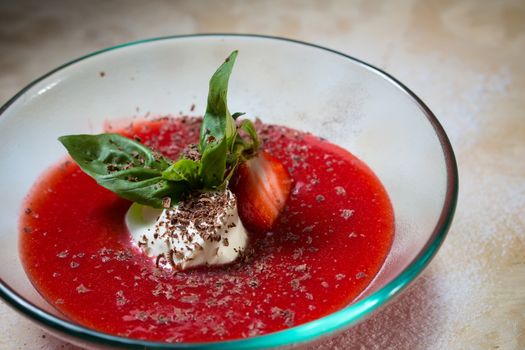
[
  {"x": 237, "y": 115},
  {"x": 150, "y": 192},
  {"x": 213, "y": 165},
  {"x": 135, "y": 172},
  {"x": 183, "y": 170},
  {"x": 218, "y": 123},
  {"x": 126, "y": 167},
  {"x": 106, "y": 153},
  {"x": 244, "y": 149},
  {"x": 248, "y": 126}
]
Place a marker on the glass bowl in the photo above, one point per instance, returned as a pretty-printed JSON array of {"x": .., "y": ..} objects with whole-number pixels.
[{"x": 288, "y": 82}]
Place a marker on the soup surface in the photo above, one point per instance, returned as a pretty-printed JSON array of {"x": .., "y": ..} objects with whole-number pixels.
[{"x": 330, "y": 242}]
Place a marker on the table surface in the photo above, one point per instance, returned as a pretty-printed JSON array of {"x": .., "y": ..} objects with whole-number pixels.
[{"x": 463, "y": 58}]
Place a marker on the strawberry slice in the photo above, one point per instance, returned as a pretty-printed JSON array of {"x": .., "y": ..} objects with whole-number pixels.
[{"x": 262, "y": 186}]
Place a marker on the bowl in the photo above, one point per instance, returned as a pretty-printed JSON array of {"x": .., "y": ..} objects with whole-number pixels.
[{"x": 301, "y": 85}]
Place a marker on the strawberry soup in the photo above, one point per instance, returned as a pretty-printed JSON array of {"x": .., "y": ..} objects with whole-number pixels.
[
  {"x": 306, "y": 229},
  {"x": 329, "y": 243}
]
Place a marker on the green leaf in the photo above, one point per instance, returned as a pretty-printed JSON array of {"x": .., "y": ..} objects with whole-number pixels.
[
  {"x": 183, "y": 170},
  {"x": 237, "y": 115},
  {"x": 244, "y": 149},
  {"x": 213, "y": 165},
  {"x": 218, "y": 123},
  {"x": 150, "y": 192},
  {"x": 128, "y": 168},
  {"x": 248, "y": 126},
  {"x": 106, "y": 153},
  {"x": 135, "y": 172}
]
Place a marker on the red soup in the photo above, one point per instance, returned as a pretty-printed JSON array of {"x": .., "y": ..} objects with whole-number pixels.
[{"x": 330, "y": 242}]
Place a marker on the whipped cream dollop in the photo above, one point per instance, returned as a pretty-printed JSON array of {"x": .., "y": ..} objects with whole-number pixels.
[{"x": 202, "y": 230}]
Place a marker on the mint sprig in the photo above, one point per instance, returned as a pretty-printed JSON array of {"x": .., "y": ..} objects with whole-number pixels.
[{"x": 137, "y": 173}]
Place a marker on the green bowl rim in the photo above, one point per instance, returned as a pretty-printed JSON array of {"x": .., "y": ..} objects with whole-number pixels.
[{"x": 304, "y": 332}]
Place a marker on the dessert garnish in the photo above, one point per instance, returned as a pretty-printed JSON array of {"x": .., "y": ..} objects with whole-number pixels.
[
  {"x": 137, "y": 173},
  {"x": 196, "y": 220},
  {"x": 263, "y": 184},
  {"x": 203, "y": 229}
]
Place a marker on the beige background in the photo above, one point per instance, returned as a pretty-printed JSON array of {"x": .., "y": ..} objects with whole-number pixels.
[{"x": 465, "y": 59}]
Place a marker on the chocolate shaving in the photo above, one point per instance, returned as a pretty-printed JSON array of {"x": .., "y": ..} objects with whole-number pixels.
[
  {"x": 191, "y": 152},
  {"x": 157, "y": 261},
  {"x": 166, "y": 202}
]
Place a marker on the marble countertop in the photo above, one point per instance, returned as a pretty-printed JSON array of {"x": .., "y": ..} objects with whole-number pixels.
[{"x": 463, "y": 58}]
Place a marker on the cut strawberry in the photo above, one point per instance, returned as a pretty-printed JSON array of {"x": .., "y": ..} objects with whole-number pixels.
[{"x": 262, "y": 186}]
